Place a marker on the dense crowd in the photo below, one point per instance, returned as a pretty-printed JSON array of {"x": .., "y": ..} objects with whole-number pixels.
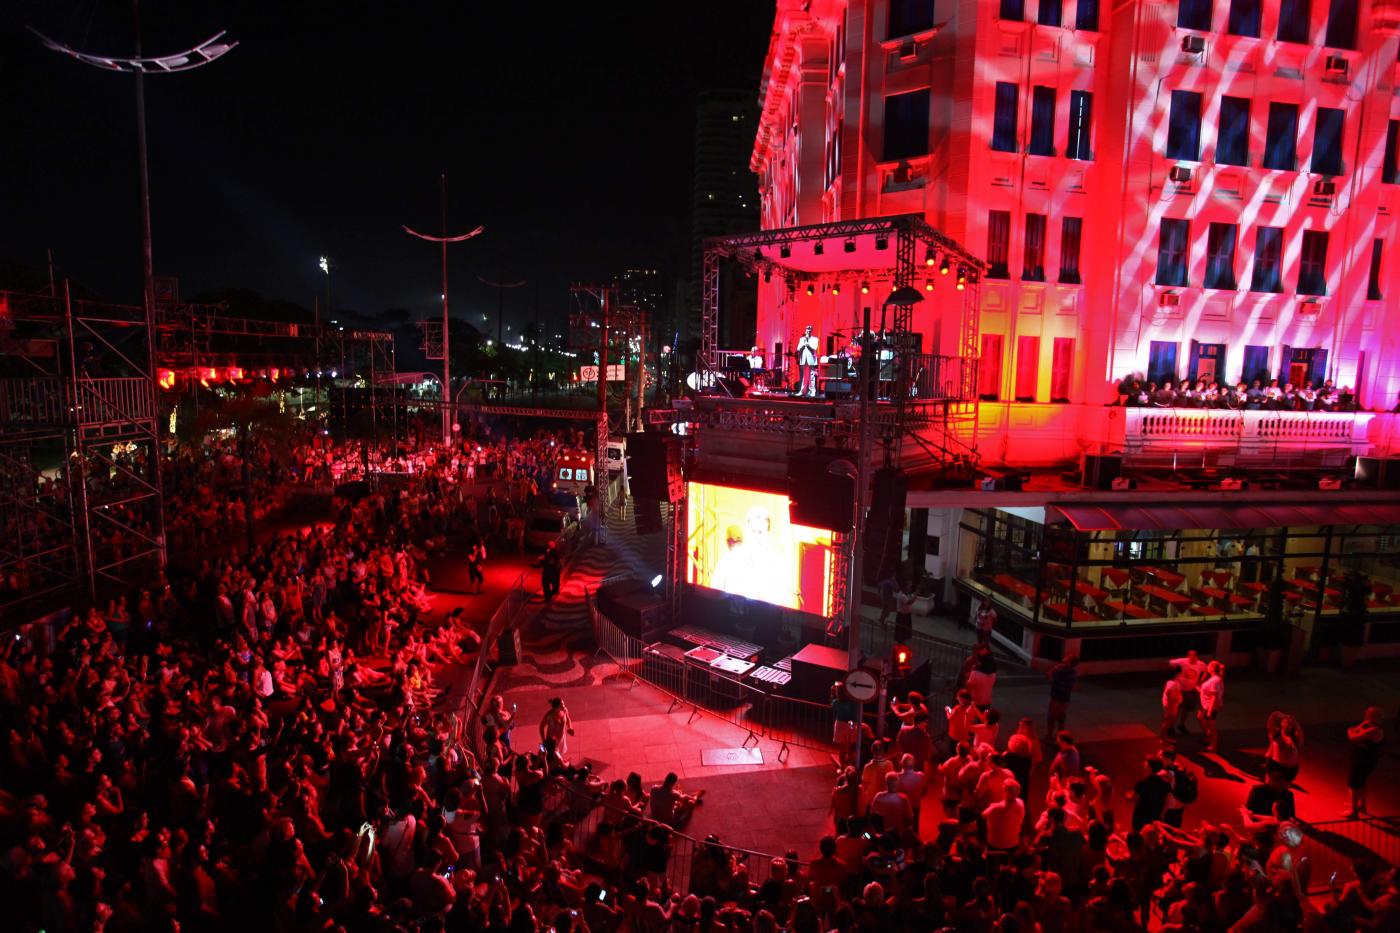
[{"x": 1256, "y": 395}]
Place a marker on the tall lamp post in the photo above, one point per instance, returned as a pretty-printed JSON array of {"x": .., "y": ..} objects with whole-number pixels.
[
  {"x": 444, "y": 239},
  {"x": 325, "y": 266},
  {"x": 209, "y": 50}
]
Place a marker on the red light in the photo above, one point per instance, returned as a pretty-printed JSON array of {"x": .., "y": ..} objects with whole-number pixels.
[
  {"x": 903, "y": 659},
  {"x": 166, "y": 378}
]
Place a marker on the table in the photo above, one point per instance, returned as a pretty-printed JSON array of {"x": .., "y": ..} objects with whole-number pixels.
[
  {"x": 1173, "y": 599},
  {"x": 1116, "y": 577},
  {"x": 1019, "y": 587},
  {"x": 1085, "y": 588},
  {"x": 1218, "y": 577},
  {"x": 1310, "y": 587},
  {"x": 1124, "y": 608},
  {"x": 1169, "y": 578},
  {"x": 1255, "y": 587},
  {"x": 1213, "y": 593},
  {"x": 1242, "y": 601},
  {"x": 1062, "y": 610}
]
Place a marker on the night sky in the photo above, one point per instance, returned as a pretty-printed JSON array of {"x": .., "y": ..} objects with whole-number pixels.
[{"x": 565, "y": 128}]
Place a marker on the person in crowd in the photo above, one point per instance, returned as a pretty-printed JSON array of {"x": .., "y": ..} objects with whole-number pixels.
[
  {"x": 1063, "y": 676},
  {"x": 1212, "y": 694},
  {"x": 666, "y": 803},
  {"x": 1365, "y": 740},
  {"x": 1172, "y": 698},
  {"x": 1191, "y": 672},
  {"x": 1285, "y": 751}
]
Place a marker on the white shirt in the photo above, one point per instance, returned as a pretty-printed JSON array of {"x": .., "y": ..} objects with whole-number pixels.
[
  {"x": 807, "y": 350},
  {"x": 1212, "y": 693},
  {"x": 1192, "y": 672},
  {"x": 1004, "y": 820}
]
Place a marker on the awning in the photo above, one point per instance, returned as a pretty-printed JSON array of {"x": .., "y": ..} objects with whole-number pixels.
[{"x": 1166, "y": 517}]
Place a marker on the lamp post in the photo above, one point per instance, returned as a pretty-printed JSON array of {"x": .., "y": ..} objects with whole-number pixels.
[
  {"x": 444, "y": 239},
  {"x": 500, "y": 288},
  {"x": 325, "y": 265}
]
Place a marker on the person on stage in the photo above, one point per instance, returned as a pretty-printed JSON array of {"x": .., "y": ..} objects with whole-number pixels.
[
  {"x": 755, "y": 360},
  {"x": 807, "y": 360}
]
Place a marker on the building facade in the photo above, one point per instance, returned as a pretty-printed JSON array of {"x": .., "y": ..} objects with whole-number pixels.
[
  {"x": 1174, "y": 190},
  {"x": 723, "y": 200}
]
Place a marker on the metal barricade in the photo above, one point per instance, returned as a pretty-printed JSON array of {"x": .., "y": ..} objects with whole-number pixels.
[
  {"x": 1332, "y": 847},
  {"x": 507, "y": 615}
]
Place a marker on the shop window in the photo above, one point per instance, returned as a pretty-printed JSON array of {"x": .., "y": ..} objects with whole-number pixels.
[
  {"x": 1014, "y": 10},
  {"x": 1172, "y": 248},
  {"x": 1232, "y": 140}
]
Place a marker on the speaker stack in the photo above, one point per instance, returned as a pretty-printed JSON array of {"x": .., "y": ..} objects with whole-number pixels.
[
  {"x": 634, "y": 607},
  {"x": 654, "y": 466},
  {"x": 884, "y": 525},
  {"x": 817, "y": 497},
  {"x": 1099, "y": 471}
]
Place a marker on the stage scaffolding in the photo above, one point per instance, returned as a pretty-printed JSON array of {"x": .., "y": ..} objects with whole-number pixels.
[
  {"x": 928, "y": 421},
  {"x": 81, "y": 504}
]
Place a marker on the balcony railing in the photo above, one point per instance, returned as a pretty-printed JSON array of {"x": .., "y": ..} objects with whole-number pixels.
[{"x": 1210, "y": 437}]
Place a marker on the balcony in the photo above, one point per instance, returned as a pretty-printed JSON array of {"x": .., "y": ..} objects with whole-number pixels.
[{"x": 1191, "y": 437}]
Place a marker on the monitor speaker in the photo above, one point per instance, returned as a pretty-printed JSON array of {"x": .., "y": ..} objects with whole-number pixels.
[
  {"x": 838, "y": 389},
  {"x": 634, "y": 607},
  {"x": 508, "y": 647},
  {"x": 884, "y": 524},
  {"x": 817, "y": 497}
]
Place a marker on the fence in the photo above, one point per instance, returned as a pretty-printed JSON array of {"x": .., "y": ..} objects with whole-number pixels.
[
  {"x": 572, "y": 804},
  {"x": 1333, "y": 846},
  {"x": 945, "y": 658},
  {"x": 466, "y": 707},
  {"x": 786, "y": 720}
]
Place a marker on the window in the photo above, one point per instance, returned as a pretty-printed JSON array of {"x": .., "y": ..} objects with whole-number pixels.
[
  {"x": 1013, "y": 9},
  {"x": 1004, "y": 121},
  {"x": 989, "y": 368},
  {"x": 1220, "y": 256},
  {"x": 1061, "y": 368},
  {"x": 1049, "y": 12},
  {"x": 1071, "y": 230},
  {"x": 1081, "y": 116},
  {"x": 910, "y": 16},
  {"x": 1281, "y": 139},
  {"x": 1268, "y": 260},
  {"x": 1184, "y": 126},
  {"x": 1294, "y": 21},
  {"x": 1390, "y": 170},
  {"x": 1312, "y": 268},
  {"x": 1042, "y": 121},
  {"x": 1193, "y": 14},
  {"x": 1256, "y": 365},
  {"x": 1027, "y": 368},
  {"x": 906, "y": 125},
  {"x": 1373, "y": 284},
  {"x": 1244, "y": 18},
  {"x": 1341, "y": 24},
  {"x": 1172, "y": 251},
  {"x": 1086, "y": 15},
  {"x": 998, "y": 244},
  {"x": 1161, "y": 362},
  {"x": 1327, "y": 141},
  {"x": 1232, "y": 140},
  {"x": 1034, "y": 266}
]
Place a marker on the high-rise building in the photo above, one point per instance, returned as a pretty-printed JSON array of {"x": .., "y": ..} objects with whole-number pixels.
[
  {"x": 1183, "y": 190},
  {"x": 725, "y": 196}
]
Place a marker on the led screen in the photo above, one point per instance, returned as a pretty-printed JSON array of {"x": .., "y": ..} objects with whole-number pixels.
[{"x": 740, "y": 541}]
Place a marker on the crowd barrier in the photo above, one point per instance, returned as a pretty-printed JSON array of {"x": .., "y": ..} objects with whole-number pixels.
[
  {"x": 582, "y": 810},
  {"x": 945, "y": 658},
  {"x": 466, "y": 712},
  {"x": 1332, "y": 847},
  {"x": 789, "y": 721}
]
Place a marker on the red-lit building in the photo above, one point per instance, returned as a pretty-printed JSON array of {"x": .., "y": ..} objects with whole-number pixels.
[{"x": 1175, "y": 191}]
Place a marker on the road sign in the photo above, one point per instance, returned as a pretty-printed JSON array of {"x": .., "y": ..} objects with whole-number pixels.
[
  {"x": 616, "y": 373},
  {"x": 861, "y": 685}
]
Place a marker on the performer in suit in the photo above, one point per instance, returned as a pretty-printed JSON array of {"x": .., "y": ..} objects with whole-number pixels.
[{"x": 807, "y": 346}]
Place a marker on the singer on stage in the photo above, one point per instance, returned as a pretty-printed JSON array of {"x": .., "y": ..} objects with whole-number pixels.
[{"x": 807, "y": 360}]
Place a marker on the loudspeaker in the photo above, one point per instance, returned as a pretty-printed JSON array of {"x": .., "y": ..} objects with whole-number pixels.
[
  {"x": 634, "y": 607},
  {"x": 508, "y": 647},
  {"x": 814, "y": 669},
  {"x": 1099, "y": 471},
  {"x": 817, "y": 497},
  {"x": 1378, "y": 472},
  {"x": 884, "y": 524},
  {"x": 647, "y": 513},
  {"x": 838, "y": 388},
  {"x": 654, "y": 466}
]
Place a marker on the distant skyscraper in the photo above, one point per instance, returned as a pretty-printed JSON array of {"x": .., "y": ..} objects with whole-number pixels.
[{"x": 724, "y": 200}]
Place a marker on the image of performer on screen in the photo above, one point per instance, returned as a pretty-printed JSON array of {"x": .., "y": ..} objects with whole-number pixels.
[
  {"x": 750, "y": 565},
  {"x": 807, "y": 359}
]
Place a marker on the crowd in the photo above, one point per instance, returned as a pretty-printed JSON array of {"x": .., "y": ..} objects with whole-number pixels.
[{"x": 1257, "y": 395}]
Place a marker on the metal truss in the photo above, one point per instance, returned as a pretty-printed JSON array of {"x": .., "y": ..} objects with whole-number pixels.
[
  {"x": 913, "y": 225},
  {"x": 709, "y": 321},
  {"x": 841, "y": 557}
]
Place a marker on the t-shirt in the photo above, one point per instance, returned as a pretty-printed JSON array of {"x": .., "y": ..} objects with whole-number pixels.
[
  {"x": 1062, "y": 680},
  {"x": 1212, "y": 694},
  {"x": 1004, "y": 820},
  {"x": 1151, "y": 793},
  {"x": 1191, "y": 672},
  {"x": 1262, "y": 798}
]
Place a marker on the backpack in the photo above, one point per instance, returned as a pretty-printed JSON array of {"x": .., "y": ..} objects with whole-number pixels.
[{"x": 1184, "y": 786}]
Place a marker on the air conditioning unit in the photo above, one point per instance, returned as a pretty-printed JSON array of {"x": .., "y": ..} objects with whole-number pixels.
[
  {"x": 908, "y": 50},
  {"x": 1180, "y": 173},
  {"x": 1169, "y": 299},
  {"x": 1310, "y": 308},
  {"x": 1231, "y": 484},
  {"x": 1123, "y": 483},
  {"x": 1329, "y": 483},
  {"x": 1325, "y": 186},
  {"x": 1337, "y": 65},
  {"x": 1193, "y": 45}
]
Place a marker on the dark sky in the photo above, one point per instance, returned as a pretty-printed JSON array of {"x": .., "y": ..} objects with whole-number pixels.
[{"x": 564, "y": 128}]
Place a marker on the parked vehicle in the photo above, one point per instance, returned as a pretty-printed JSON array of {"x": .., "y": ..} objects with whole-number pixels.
[{"x": 546, "y": 524}]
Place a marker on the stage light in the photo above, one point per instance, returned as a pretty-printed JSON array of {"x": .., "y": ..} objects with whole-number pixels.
[
  {"x": 836, "y": 288},
  {"x": 865, "y": 288},
  {"x": 902, "y": 660},
  {"x": 818, "y": 248},
  {"x": 928, "y": 285},
  {"x": 784, "y": 251},
  {"x": 962, "y": 276},
  {"x": 882, "y": 242},
  {"x": 850, "y": 245},
  {"x": 928, "y": 257},
  {"x": 943, "y": 269}
]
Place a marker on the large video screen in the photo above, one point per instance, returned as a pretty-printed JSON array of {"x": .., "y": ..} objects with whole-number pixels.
[{"x": 740, "y": 541}]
